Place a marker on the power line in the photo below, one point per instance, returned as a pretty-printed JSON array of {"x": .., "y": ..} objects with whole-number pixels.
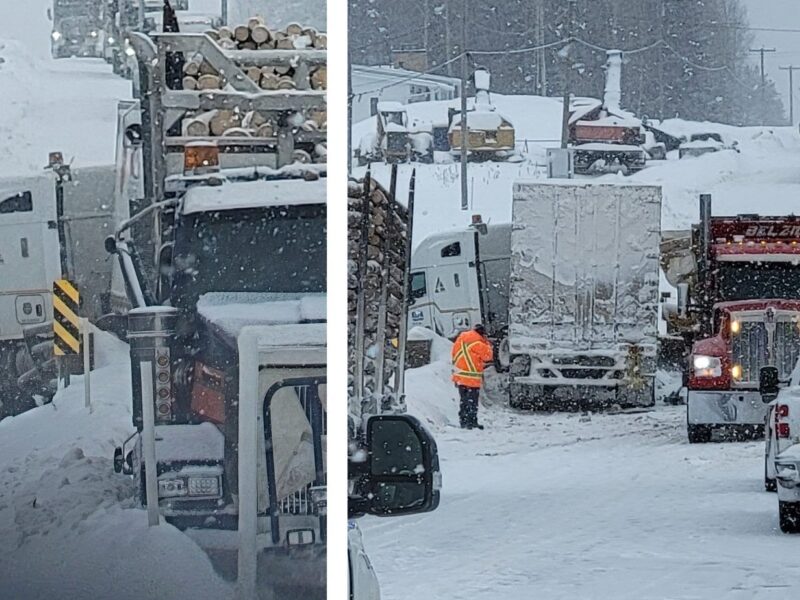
[{"x": 565, "y": 41}]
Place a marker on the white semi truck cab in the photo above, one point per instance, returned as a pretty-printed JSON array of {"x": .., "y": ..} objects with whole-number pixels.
[
  {"x": 460, "y": 278},
  {"x": 52, "y": 225}
]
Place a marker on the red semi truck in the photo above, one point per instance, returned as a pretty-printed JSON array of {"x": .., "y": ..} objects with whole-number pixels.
[{"x": 739, "y": 308}]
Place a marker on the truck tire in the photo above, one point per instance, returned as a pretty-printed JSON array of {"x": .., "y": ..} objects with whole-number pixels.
[
  {"x": 698, "y": 434},
  {"x": 502, "y": 355},
  {"x": 789, "y": 517}
]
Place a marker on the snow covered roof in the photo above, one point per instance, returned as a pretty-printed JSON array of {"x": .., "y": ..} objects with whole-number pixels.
[
  {"x": 582, "y": 107},
  {"x": 710, "y": 143},
  {"x": 235, "y": 195},
  {"x": 481, "y": 120},
  {"x": 608, "y": 147},
  {"x": 366, "y": 78},
  {"x": 387, "y": 106},
  {"x": 611, "y": 120}
]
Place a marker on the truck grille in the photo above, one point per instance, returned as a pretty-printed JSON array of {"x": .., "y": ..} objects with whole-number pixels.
[{"x": 751, "y": 349}]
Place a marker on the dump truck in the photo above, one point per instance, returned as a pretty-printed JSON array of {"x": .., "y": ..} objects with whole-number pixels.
[
  {"x": 583, "y": 302},
  {"x": 738, "y": 311},
  {"x": 393, "y": 464},
  {"x": 228, "y": 234}
]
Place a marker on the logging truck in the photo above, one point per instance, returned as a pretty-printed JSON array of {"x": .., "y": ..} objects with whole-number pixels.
[
  {"x": 78, "y": 28},
  {"x": 392, "y": 458},
  {"x": 216, "y": 235}
]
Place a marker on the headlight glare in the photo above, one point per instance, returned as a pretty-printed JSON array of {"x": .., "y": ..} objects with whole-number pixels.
[{"x": 707, "y": 366}]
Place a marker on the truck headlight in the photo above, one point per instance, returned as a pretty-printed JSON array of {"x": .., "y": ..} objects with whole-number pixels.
[
  {"x": 707, "y": 366},
  {"x": 171, "y": 488},
  {"x": 203, "y": 486},
  {"x": 56, "y": 35}
]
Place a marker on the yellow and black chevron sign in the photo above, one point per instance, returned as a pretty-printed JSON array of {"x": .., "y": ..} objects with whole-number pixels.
[{"x": 66, "y": 324}]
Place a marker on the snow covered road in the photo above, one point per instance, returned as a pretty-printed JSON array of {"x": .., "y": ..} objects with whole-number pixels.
[{"x": 572, "y": 507}]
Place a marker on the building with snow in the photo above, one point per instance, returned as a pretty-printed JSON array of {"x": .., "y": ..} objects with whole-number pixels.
[{"x": 373, "y": 84}]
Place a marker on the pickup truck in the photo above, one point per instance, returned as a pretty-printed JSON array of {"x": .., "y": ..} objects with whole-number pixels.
[{"x": 782, "y": 449}]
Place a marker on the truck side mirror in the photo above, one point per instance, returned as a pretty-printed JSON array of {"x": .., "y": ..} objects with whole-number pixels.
[
  {"x": 400, "y": 475},
  {"x": 768, "y": 383},
  {"x": 118, "y": 461},
  {"x": 133, "y": 134},
  {"x": 683, "y": 299}
]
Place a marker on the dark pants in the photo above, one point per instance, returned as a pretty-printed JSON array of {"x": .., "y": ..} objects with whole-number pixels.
[{"x": 468, "y": 410}]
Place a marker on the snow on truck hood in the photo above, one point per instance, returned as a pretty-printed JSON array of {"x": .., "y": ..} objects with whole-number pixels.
[
  {"x": 237, "y": 195},
  {"x": 233, "y": 311}
]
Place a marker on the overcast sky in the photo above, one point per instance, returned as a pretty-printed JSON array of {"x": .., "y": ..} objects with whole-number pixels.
[{"x": 781, "y": 14}]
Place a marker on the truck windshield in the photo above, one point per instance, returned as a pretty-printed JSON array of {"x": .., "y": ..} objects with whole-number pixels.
[
  {"x": 272, "y": 250},
  {"x": 757, "y": 280}
]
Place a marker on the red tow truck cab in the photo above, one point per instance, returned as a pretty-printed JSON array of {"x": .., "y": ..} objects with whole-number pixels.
[{"x": 747, "y": 302}]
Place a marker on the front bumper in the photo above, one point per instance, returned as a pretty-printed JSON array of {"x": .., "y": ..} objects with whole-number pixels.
[
  {"x": 563, "y": 395},
  {"x": 725, "y": 408},
  {"x": 787, "y": 475}
]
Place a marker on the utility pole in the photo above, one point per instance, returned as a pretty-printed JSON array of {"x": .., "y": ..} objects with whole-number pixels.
[
  {"x": 349, "y": 110},
  {"x": 464, "y": 130},
  {"x": 791, "y": 69},
  {"x": 448, "y": 42},
  {"x": 762, "y": 51},
  {"x": 570, "y": 28},
  {"x": 541, "y": 55}
]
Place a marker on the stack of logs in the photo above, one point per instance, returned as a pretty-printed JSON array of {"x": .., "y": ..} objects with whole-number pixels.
[
  {"x": 200, "y": 75},
  {"x": 384, "y": 222}
]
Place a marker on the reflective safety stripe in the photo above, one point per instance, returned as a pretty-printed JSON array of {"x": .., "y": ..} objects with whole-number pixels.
[
  {"x": 468, "y": 375},
  {"x": 467, "y": 357}
]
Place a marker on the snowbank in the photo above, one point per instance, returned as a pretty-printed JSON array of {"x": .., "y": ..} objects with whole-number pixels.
[{"x": 67, "y": 521}]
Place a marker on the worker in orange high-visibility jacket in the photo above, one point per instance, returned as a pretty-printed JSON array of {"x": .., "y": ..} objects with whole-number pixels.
[{"x": 471, "y": 352}]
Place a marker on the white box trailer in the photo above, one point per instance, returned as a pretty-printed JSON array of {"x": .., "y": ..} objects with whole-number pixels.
[{"x": 583, "y": 305}]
